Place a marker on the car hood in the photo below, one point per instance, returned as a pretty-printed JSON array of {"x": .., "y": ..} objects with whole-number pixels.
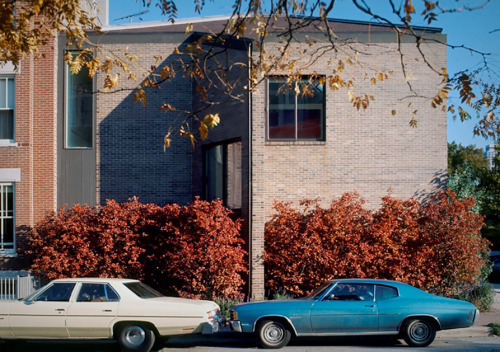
[{"x": 272, "y": 304}]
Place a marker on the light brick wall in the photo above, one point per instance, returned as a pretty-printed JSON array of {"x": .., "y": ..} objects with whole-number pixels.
[
  {"x": 368, "y": 151},
  {"x": 35, "y": 153}
]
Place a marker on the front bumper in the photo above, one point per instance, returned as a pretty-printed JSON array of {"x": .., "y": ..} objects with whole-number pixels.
[{"x": 236, "y": 325}]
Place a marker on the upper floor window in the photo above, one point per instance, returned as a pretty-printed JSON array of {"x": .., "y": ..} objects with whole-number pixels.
[
  {"x": 296, "y": 110},
  {"x": 79, "y": 125},
  {"x": 7, "y": 238},
  {"x": 7, "y": 104}
]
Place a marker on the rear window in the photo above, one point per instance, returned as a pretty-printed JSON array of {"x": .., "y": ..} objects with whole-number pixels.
[
  {"x": 386, "y": 292},
  {"x": 142, "y": 291}
]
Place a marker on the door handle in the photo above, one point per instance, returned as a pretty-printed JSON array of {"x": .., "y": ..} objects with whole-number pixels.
[
  {"x": 370, "y": 306},
  {"x": 107, "y": 310},
  {"x": 60, "y": 310}
]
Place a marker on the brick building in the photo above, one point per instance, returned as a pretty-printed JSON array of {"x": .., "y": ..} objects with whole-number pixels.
[{"x": 269, "y": 146}]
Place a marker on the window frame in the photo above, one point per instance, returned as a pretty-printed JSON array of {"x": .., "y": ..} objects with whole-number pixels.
[
  {"x": 377, "y": 298},
  {"x": 7, "y": 77},
  {"x": 295, "y": 138},
  {"x": 106, "y": 289},
  {"x": 67, "y": 74},
  {"x": 3, "y": 215},
  {"x": 38, "y": 294}
]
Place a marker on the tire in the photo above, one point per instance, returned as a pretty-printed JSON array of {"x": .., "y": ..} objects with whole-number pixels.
[
  {"x": 419, "y": 332},
  {"x": 273, "y": 334},
  {"x": 135, "y": 338}
]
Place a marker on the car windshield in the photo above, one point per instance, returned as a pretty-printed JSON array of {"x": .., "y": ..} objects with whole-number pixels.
[
  {"x": 319, "y": 291},
  {"x": 142, "y": 290}
]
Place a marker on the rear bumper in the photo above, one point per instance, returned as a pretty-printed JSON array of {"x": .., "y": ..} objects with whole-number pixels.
[
  {"x": 210, "y": 328},
  {"x": 476, "y": 316}
]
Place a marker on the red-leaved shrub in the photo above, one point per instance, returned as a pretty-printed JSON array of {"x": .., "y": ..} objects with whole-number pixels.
[
  {"x": 435, "y": 246},
  {"x": 194, "y": 250}
]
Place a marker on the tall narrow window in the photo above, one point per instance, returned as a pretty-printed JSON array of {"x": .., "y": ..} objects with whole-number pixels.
[
  {"x": 222, "y": 174},
  {"x": 214, "y": 173},
  {"x": 7, "y": 104},
  {"x": 7, "y": 239},
  {"x": 79, "y": 109},
  {"x": 296, "y": 116}
]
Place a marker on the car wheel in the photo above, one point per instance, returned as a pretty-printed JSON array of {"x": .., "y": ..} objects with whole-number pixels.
[
  {"x": 419, "y": 332},
  {"x": 136, "y": 338},
  {"x": 273, "y": 334}
]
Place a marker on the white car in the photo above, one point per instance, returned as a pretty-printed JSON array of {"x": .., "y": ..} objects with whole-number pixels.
[{"x": 94, "y": 308}]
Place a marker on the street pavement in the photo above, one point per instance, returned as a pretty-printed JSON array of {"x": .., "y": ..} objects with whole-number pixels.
[{"x": 477, "y": 338}]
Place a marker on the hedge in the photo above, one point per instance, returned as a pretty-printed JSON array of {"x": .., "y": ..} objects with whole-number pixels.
[
  {"x": 194, "y": 250},
  {"x": 435, "y": 245}
]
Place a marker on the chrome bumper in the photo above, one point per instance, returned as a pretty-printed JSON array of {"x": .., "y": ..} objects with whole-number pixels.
[
  {"x": 236, "y": 325},
  {"x": 210, "y": 328}
]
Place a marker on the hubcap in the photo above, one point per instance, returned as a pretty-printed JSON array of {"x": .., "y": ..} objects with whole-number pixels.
[
  {"x": 135, "y": 335},
  {"x": 274, "y": 333},
  {"x": 419, "y": 331}
]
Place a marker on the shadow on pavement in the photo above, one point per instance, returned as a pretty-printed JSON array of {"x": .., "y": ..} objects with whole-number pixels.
[
  {"x": 59, "y": 346},
  {"x": 236, "y": 340}
]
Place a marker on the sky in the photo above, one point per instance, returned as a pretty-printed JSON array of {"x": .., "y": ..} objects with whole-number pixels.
[{"x": 479, "y": 30}]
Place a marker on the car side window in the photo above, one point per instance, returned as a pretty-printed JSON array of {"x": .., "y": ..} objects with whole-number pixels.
[
  {"x": 58, "y": 292},
  {"x": 385, "y": 292},
  {"x": 92, "y": 292},
  {"x": 351, "y": 292}
]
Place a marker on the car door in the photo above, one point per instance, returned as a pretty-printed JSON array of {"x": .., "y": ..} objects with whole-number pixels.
[
  {"x": 43, "y": 315},
  {"x": 93, "y": 311},
  {"x": 390, "y": 307},
  {"x": 348, "y": 308}
]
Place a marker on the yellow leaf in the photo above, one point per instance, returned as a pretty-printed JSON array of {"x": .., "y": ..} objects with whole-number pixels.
[
  {"x": 189, "y": 28},
  {"x": 297, "y": 89},
  {"x": 140, "y": 96},
  {"x": 203, "y": 131},
  {"x": 167, "y": 141},
  {"x": 165, "y": 72},
  {"x": 211, "y": 120}
]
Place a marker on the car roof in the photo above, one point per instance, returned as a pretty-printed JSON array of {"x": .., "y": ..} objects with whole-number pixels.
[
  {"x": 370, "y": 281},
  {"x": 95, "y": 279}
]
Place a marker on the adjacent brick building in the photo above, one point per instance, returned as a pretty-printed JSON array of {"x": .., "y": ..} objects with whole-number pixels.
[
  {"x": 27, "y": 149},
  {"x": 268, "y": 146}
]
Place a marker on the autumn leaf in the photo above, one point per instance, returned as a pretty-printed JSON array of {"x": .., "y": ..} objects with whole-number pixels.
[
  {"x": 203, "y": 129},
  {"x": 140, "y": 96},
  {"x": 211, "y": 120}
]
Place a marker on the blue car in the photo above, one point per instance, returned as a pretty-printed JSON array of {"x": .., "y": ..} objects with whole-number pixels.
[{"x": 354, "y": 307}]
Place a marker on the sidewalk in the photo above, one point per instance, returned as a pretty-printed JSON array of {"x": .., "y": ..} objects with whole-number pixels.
[{"x": 480, "y": 328}]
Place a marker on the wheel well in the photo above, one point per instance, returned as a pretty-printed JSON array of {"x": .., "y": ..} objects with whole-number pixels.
[
  {"x": 432, "y": 320},
  {"x": 120, "y": 324},
  {"x": 278, "y": 319}
]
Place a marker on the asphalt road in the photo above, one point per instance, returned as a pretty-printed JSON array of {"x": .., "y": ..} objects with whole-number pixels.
[{"x": 230, "y": 342}]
